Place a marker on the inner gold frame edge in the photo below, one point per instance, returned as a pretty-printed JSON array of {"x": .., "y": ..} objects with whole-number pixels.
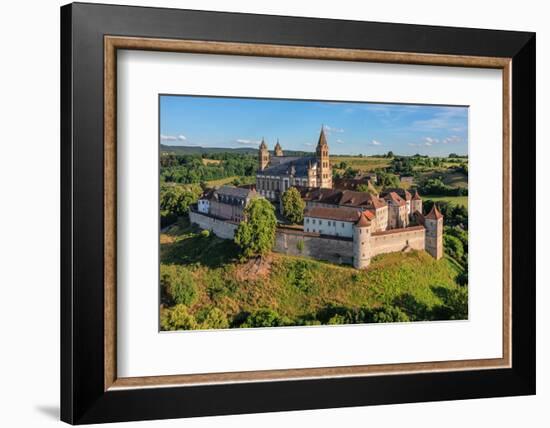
[{"x": 113, "y": 43}]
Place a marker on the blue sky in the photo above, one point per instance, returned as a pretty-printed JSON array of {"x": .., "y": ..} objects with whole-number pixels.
[{"x": 351, "y": 128}]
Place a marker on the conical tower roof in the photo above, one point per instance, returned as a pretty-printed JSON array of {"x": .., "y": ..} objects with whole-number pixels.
[
  {"x": 322, "y": 138},
  {"x": 416, "y": 196},
  {"x": 434, "y": 214},
  {"x": 363, "y": 221},
  {"x": 277, "y": 146},
  {"x": 263, "y": 145}
]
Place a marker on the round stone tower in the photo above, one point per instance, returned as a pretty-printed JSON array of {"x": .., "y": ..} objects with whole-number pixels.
[
  {"x": 263, "y": 156},
  {"x": 361, "y": 242}
]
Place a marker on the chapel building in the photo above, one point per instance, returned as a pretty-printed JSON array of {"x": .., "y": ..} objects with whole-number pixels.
[{"x": 277, "y": 172}]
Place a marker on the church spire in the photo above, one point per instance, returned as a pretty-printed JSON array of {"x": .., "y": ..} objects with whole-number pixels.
[
  {"x": 263, "y": 155},
  {"x": 322, "y": 138},
  {"x": 278, "y": 149},
  {"x": 324, "y": 171}
]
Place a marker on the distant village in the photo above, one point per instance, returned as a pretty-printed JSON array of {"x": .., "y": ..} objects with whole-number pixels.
[{"x": 340, "y": 224}]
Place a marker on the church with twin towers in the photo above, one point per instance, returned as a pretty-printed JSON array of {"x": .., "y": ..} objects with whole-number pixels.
[{"x": 277, "y": 172}]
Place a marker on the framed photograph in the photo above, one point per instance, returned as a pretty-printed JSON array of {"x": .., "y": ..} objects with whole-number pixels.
[{"x": 266, "y": 213}]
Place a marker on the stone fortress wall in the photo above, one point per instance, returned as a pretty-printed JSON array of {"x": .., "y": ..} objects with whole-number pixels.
[
  {"x": 314, "y": 245},
  {"x": 321, "y": 247},
  {"x": 221, "y": 228},
  {"x": 395, "y": 240}
]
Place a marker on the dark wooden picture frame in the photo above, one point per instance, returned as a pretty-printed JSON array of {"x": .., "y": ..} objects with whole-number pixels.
[{"x": 90, "y": 389}]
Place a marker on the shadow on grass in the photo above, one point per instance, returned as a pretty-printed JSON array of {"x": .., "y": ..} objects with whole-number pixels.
[
  {"x": 209, "y": 251},
  {"x": 192, "y": 245},
  {"x": 453, "y": 306}
]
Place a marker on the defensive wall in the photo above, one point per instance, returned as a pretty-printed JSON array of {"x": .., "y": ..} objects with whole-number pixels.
[{"x": 322, "y": 247}]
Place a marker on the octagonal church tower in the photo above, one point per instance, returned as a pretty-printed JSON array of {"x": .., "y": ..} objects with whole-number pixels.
[
  {"x": 324, "y": 171},
  {"x": 263, "y": 156}
]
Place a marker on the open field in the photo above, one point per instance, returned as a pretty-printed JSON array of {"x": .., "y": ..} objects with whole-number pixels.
[
  {"x": 361, "y": 163},
  {"x": 229, "y": 180},
  {"x": 206, "y": 161},
  {"x": 304, "y": 291},
  {"x": 457, "y": 200},
  {"x": 450, "y": 177}
]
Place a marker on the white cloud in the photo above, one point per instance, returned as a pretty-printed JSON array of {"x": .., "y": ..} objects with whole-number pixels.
[
  {"x": 431, "y": 140},
  {"x": 331, "y": 129},
  {"x": 376, "y": 143},
  {"x": 246, "y": 142},
  {"x": 339, "y": 141},
  {"x": 308, "y": 144},
  {"x": 446, "y": 118},
  {"x": 167, "y": 137},
  {"x": 427, "y": 143},
  {"x": 452, "y": 139},
  {"x": 182, "y": 137}
]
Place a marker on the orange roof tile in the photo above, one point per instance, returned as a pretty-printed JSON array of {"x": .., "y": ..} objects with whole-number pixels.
[
  {"x": 363, "y": 221},
  {"x": 341, "y": 214},
  {"x": 434, "y": 214},
  {"x": 395, "y": 198}
]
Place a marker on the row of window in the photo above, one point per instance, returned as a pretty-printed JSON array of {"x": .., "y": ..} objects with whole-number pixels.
[
  {"x": 230, "y": 200},
  {"x": 268, "y": 185},
  {"x": 318, "y": 231},
  {"x": 329, "y": 222}
]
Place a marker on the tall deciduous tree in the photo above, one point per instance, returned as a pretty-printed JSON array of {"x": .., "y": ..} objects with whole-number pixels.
[
  {"x": 293, "y": 205},
  {"x": 256, "y": 234}
]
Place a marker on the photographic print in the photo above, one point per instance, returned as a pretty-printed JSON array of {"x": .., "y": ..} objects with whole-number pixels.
[{"x": 284, "y": 213}]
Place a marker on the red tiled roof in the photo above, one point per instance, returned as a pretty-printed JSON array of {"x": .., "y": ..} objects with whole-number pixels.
[
  {"x": 369, "y": 214},
  {"x": 434, "y": 214},
  {"x": 395, "y": 198},
  {"x": 416, "y": 196},
  {"x": 342, "y": 197},
  {"x": 341, "y": 214},
  {"x": 363, "y": 220}
]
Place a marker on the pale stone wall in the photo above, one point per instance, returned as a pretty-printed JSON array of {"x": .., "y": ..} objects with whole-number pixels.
[
  {"x": 204, "y": 206},
  {"x": 335, "y": 250},
  {"x": 226, "y": 211},
  {"x": 328, "y": 227},
  {"x": 220, "y": 228},
  {"x": 381, "y": 219},
  {"x": 434, "y": 238},
  {"x": 397, "y": 240}
]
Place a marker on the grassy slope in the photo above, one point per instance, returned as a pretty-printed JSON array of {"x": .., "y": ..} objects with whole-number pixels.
[
  {"x": 366, "y": 164},
  {"x": 298, "y": 287},
  {"x": 458, "y": 200}
]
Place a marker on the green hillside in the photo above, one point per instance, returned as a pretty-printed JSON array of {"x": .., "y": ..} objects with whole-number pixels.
[{"x": 286, "y": 290}]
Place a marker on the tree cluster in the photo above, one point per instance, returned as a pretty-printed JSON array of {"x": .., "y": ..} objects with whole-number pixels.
[
  {"x": 435, "y": 186},
  {"x": 191, "y": 168},
  {"x": 175, "y": 201},
  {"x": 293, "y": 206},
  {"x": 255, "y": 235}
]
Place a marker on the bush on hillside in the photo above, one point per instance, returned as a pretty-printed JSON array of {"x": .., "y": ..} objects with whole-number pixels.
[{"x": 178, "y": 283}]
